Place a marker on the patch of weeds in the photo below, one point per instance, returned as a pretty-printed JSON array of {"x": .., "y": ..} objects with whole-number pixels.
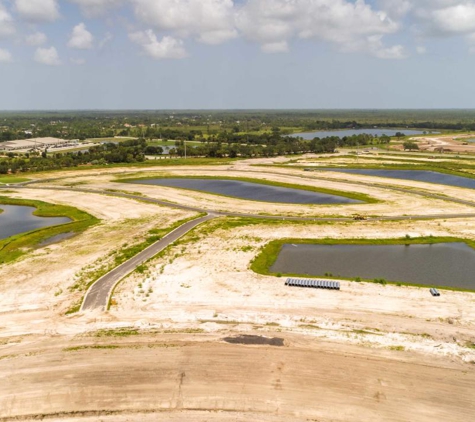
[
  {"x": 309, "y": 327},
  {"x": 397, "y": 348},
  {"x": 77, "y": 348},
  {"x": 141, "y": 269},
  {"x": 119, "y": 332},
  {"x": 272, "y": 324},
  {"x": 364, "y": 332},
  {"x": 76, "y": 307},
  {"x": 220, "y": 321},
  {"x": 58, "y": 292},
  {"x": 185, "y": 331},
  {"x": 381, "y": 281}
]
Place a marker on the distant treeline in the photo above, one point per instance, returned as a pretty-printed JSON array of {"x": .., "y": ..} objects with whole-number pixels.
[
  {"x": 201, "y": 125},
  {"x": 135, "y": 151}
]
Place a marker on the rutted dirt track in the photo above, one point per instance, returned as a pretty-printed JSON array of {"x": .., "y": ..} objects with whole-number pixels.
[{"x": 303, "y": 380}]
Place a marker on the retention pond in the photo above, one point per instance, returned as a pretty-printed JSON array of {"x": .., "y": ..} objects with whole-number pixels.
[
  {"x": 440, "y": 264},
  {"x": 252, "y": 191},
  {"x": 16, "y": 219},
  {"x": 416, "y": 175}
]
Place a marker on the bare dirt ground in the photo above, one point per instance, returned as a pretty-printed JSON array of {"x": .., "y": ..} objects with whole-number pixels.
[
  {"x": 200, "y": 337},
  {"x": 447, "y": 143}
]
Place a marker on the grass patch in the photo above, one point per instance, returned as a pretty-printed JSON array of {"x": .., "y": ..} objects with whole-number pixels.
[
  {"x": 15, "y": 246},
  {"x": 78, "y": 348},
  {"x": 119, "y": 332},
  {"x": 13, "y": 179},
  {"x": 350, "y": 195},
  {"x": 268, "y": 255}
]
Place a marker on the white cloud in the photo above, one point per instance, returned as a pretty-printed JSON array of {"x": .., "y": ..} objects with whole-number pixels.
[
  {"x": 37, "y": 10},
  {"x": 444, "y": 19},
  {"x": 396, "y": 9},
  {"x": 167, "y": 48},
  {"x": 95, "y": 8},
  {"x": 7, "y": 26},
  {"x": 5, "y": 56},
  {"x": 350, "y": 26},
  {"x": 210, "y": 21},
  {"x": 36, "y": 39},
  {"x": 81, "y": 38},
  {"x": 47, "y": 56},
  {"x": 456, "y": 19}
]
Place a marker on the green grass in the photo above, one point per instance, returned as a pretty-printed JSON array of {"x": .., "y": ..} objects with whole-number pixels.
[
  {"x": 350, "y": 195},
  {"x": 12, "y": 179},
  {"x": 119, "y": 332},
  {"x": 15, "y": 246},
  {"x": 78, "y": 348},
  {"x": 268, "y": 255}
]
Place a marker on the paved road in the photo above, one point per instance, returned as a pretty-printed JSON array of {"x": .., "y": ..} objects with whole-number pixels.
[{"x": 97, "y": 297}]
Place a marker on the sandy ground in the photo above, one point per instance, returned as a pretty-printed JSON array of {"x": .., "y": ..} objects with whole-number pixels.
[
  {"x": 449, "y": 143},
  {"x": 368, "y": 352}
]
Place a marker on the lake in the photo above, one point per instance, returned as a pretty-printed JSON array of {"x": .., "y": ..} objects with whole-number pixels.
[
  {"x": 251, "y": 191},
  {"x": 16, "y": 219},
  {"x": 416, "y": 175},
  {"x": 351, "y": 132},
  {"x": 441, "y": 264}
]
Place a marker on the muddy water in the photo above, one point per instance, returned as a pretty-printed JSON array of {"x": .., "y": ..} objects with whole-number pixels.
[
  {"x": 442, "y": 264},
  {"x": 252, "y": 191},
  {"x": 17, "y": 219},
  {"x": 416, "y": 175}
]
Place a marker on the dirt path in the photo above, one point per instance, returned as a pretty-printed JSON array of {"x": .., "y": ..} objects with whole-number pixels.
[{"x": 303, "y": 380}]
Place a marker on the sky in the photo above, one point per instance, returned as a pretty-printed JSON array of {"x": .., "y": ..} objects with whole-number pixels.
[{"x": 236, "y": 54}]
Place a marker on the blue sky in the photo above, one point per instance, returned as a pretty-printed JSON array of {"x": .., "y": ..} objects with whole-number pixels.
[{"x": 193, "y": 54}]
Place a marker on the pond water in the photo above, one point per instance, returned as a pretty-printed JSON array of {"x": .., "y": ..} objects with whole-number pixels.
[
  {"x": 16, "y": 219},
  {"x": 252, "y": 191},
  {"x": 441, "y": 264},
  {"x": 351, "y": 132},
  {"x": 416, "y": 175}
]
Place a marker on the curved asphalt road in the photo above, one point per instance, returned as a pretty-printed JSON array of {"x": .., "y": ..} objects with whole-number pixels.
[{"x": 97, "y": 297}]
